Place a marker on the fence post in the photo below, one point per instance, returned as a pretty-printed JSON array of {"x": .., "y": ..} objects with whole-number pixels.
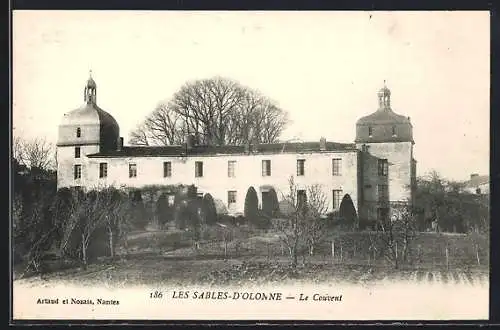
[
  {"x": 225, "y": 248},
  {"x": 447, "y": 258},
  {"x": 268, "y": 252},
  {"x": 477, "y": 255},
  {"x": 396, "y": 244}
]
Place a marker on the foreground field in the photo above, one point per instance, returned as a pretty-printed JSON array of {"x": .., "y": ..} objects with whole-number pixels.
[
  {"x": 154, "y": 270},
  {"x": 158, "y": 258}
]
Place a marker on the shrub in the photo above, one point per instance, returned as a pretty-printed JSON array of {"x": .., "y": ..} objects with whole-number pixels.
[
  {"x": 263, "y": 221},
  {"x": 251, "y": 209},
  {"x": 138, "y": 210},
  {"x": 34, "y": 231},
  {"x": 226, "y": 219},
  {"x": 164, "y": 211},
  {"x": 208, "y": 210}
]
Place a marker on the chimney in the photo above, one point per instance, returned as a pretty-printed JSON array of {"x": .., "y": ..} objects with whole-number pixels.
[
  {"x": 119, "y": 147},
  {"x": 249, "y": 142},
  {"x": 255, "y": 144},
  {"x": 188, "y": 140},
  {"x": 196, "y": 139},
  {"x": 322, "y": 144}
]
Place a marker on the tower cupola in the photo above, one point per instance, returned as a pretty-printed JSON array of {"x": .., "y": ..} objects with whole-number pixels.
[
  {"x": 384, "y": 97},
  {"x": 89, "y": 124},
  {"x": 384, "y": 125},
  {"x": 90, "y": 90}
]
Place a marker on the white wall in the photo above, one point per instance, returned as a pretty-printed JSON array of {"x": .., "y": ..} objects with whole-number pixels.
[
  {"x": 65, "y": 165},
  {"x": 248, "y": 172},
  {"x": 399, "y": 158}
]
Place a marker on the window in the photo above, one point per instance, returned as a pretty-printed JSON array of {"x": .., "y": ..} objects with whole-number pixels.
[
  {"x": 337, "y": 166},
  {"x": 198, "y": 169},
  {"x": 336, "y": 199},
  {"x": 167, "y": 169},
  {"x": 77, "y": 152},
  {"x": 78, "y": 171},
  {"x": 171, "y": 200},
  {"x": 132, "y": 170},
  {"x": 383, "y": 193},
  {"x": 300, "y": 166},
  {"x": 266, "y": 168},
  {"x": 103, "y": 170},
  {"x": 370, "y": 131},
  {"x": 230, "y": 168},
  {"x": 383, "y": 167},
  {"x": 393, "y": 130},
  {"x": 231, "y": 197},
  {"x": 78, "y": 132}
]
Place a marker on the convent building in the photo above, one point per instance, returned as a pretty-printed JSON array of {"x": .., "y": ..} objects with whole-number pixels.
[{"x": 375, "y": 170}]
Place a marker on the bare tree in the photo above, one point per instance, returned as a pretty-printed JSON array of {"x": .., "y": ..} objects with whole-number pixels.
[
  {"x": 81, "y": 225},
  {"x": 394, "y": 237},
  {"x": 104, "y": 210},
  {"x": 36, "y": 153},
  {"x": 302, "y": 226},
  {"x": 218, "y": 111},
  {"x": 139, "y": 136},
  {"x": 17, "y": 148},
  {"x": 291, "y": 225},
  {"x": 33, "y": 228},
  {"x": 315, "y": 223},
  {"x": 116, "y": 216}
]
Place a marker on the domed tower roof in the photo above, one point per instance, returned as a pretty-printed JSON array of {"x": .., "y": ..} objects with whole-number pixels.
[
  {"x": 98, "y": 125},
  {"x": 384, "y": 125}
]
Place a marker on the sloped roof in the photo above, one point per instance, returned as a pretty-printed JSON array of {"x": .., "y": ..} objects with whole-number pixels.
[
  {"x": 88, "y": 114},
  {"x": 477, "y": 181},
  {"x": 202, "y": 150},
  {"x": 383, "y": 116}
]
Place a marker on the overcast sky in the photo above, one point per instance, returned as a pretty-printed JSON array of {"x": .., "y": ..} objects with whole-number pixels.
[{"x": 324, "y": 68}]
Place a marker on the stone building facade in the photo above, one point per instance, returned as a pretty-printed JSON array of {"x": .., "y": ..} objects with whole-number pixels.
[{"x": 376, "y": 170}]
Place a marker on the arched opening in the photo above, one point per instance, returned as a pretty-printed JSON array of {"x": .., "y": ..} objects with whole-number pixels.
[
  {"x": 347, "y": 213},
  {"x": 270, "y": 203},
  {"x": 138, "y": 210},
  {"x": 251, "y": 208},
  {"x": 164, "y": 210},
  {"x": 208, "y": 209}
]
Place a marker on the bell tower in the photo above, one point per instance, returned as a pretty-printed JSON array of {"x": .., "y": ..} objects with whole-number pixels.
[
  {"x": 84, "y": 131},
  {"x": 384, "y": 98},
  {"x": 388, "y": 175},
  {"x": 90, "y": 90}
]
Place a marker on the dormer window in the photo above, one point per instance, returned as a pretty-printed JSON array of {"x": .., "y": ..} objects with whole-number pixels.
[
  {"x": 370, "y": 131},
  {"x": 78, "y": 132}
]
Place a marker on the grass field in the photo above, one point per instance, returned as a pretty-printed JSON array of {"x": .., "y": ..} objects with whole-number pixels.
[{"x": 168, "y": 258}]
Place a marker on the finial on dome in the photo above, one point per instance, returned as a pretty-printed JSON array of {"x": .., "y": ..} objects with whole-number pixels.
[
  {"x": 384, "y": 97},
  {"x": 90, "y": 89},
  {"x": 90, "y": 82}
]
